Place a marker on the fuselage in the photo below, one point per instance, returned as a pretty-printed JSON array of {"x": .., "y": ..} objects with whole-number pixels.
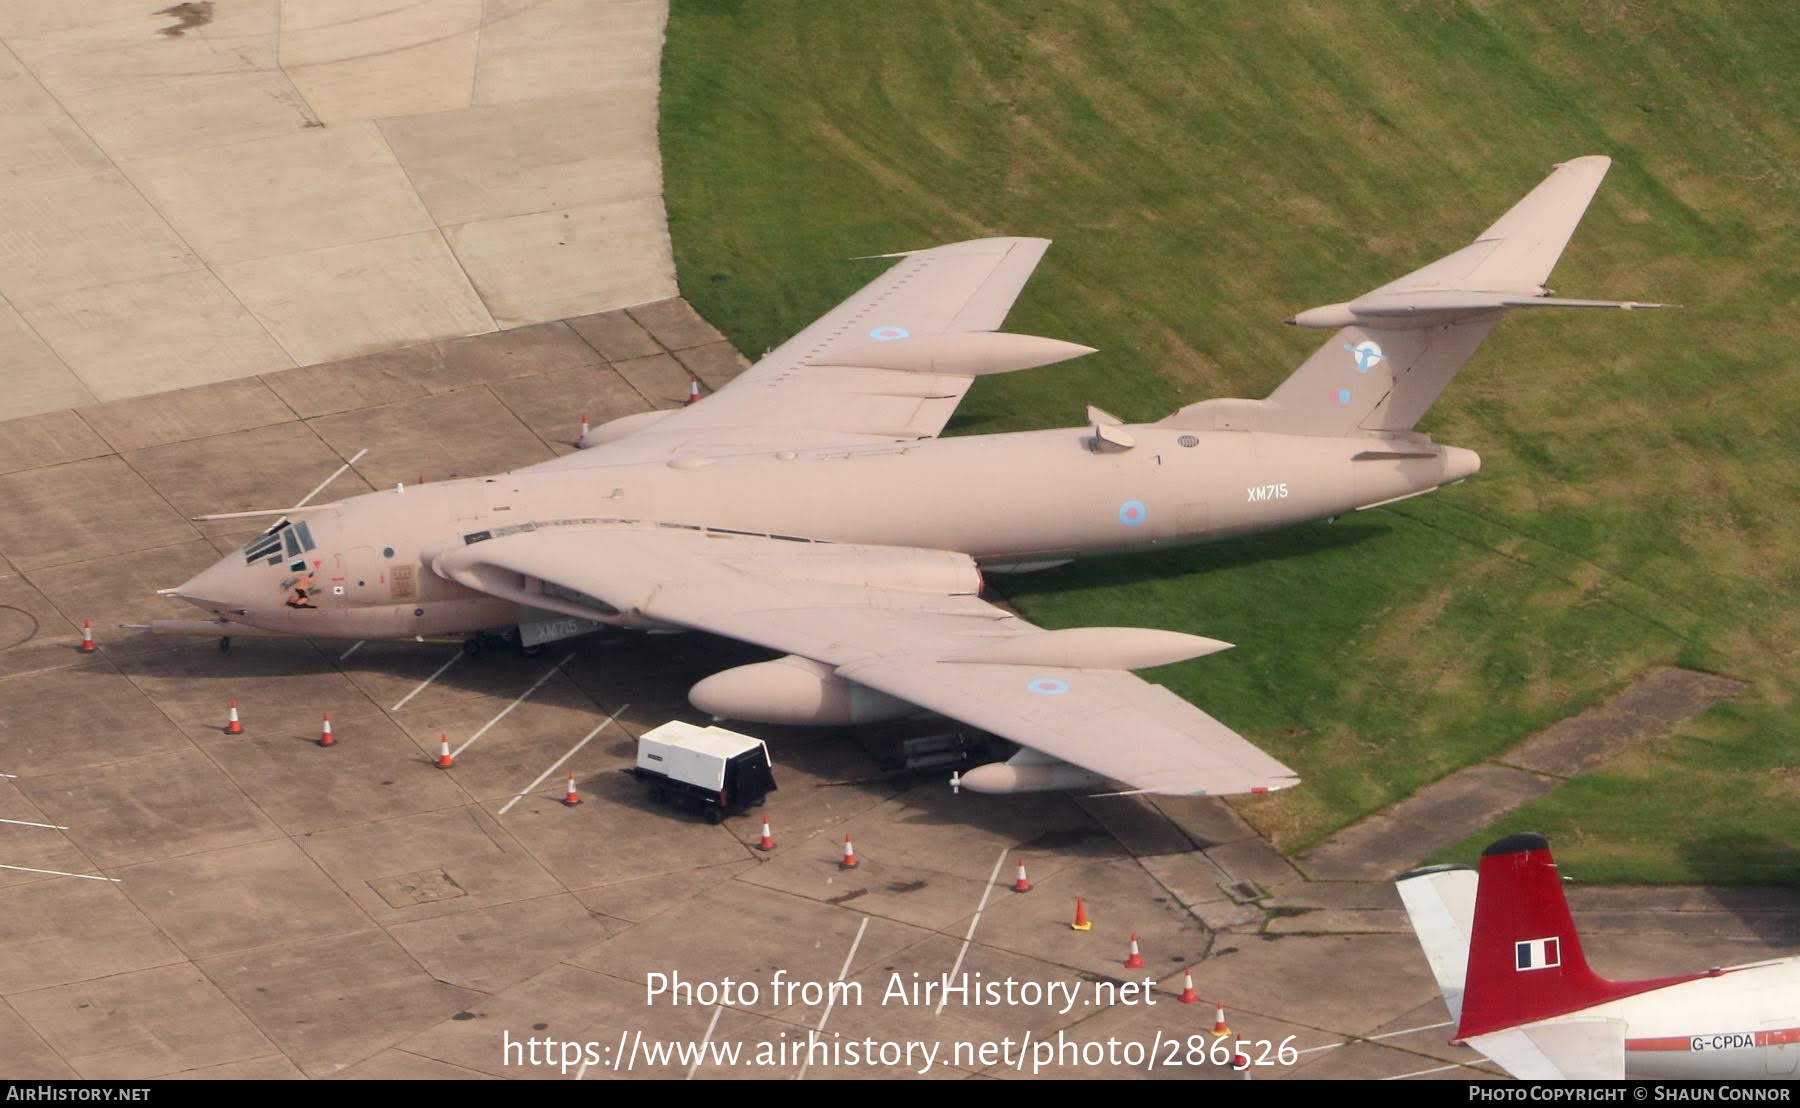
[
  {"x": 1013, "y": 502},
  {"x": 1735, "y": 1024}
]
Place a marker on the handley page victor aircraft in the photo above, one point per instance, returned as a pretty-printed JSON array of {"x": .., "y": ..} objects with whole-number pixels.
[
  {"x": 809, "y": 507},
  {"x": 1503, "y": 949}
]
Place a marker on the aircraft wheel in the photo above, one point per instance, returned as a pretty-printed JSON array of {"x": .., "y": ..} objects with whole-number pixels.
[
  {"x": 471, "y": 646},
  {"x": 530, "y": 651},
  {"x": 224, "y": 643}
]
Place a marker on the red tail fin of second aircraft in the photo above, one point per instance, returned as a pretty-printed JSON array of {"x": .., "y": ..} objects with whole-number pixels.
[{"x": 1525, "y": 960}]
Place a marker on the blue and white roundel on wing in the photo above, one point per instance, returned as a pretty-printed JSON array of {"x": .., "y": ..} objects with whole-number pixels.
[
  {"x": 1048, "y": 686},
  {"x": 1367, "y": 353},
  {"x": 887, "y": 332},
  {"x": 1132, "y": 513}
]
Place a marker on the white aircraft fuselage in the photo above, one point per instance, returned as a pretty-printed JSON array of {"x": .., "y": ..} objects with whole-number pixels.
[{"x": 1732, "y": 1024}]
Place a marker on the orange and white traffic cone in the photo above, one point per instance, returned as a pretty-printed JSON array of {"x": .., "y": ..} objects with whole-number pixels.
[
  {"x": 1136, "y": 960},
  {"x": 325, "y": 736},
  {"x": 571, "y": 798},
  {"x": 693, "y": 390},
  {"x": 1081, "y": 921},
  {"x": 232, "y": 726},
  {"x": 1022, "y": 885},
  {"x": 1239, "y": 1059},
  {"x": 768, "y": 840},
  {"x": 849, "y": 860},
  {"x": 1188, "y": 995},
  {"x": 1220, "y": 1027},
  {"x": 444, "y": 760},
  {"x": 582, "y": 437},
  {"x": 87, "y": 637}
]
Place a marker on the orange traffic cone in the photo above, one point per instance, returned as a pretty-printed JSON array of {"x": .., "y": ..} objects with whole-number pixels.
[
  {"x": 768, "y": 840},
  {"x": 325, "y": 737},
  {"x": 1022, "y": 885},
  {"x": 571, "y": 798},
  {"x": 694, "y": 390},
  {"x": 1136, "y": 960},
  {"x": 1188, "y": 995},
  {"x": 1220, "y": 1027},
  {"x": 232, "y": 726},
  {"x": 1081, "y": 921},
  {"x": 87, "y": 637},
  {"x": 582, "y": 437},
  {"x": 444, "y": 759},
  {"x": 1239, "y": 1059},
  {"x": 849, "y": 860}
]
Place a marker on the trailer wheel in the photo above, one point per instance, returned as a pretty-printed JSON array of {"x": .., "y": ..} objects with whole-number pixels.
[
  {"x": 714, "y": 814},
  {"x": 658, "y": 796},
  {"x": 758, "y": 802}
]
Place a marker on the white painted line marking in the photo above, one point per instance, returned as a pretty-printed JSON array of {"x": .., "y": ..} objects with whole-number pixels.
[
  {"x": 558, "y": 763},
  {"x": 427, "y": 681},
  {"x": 970, "y": 937},
  {"x": 60, "y": 873},
  {"x": 1422, "y": 1073},
  {"x": 707, "y": 1038},
  {"x": 831, "y": 998},
  {"x": 354, "y": 647},
  {"x": 1375, "y": 1038},
  {"x": 28, "y": 823},
  {"x": 10, "y": 776},
  {"x": 581, "y": 1071},
  {"x": 506, "y": 711},
  {"x": 335, "y": 474}
]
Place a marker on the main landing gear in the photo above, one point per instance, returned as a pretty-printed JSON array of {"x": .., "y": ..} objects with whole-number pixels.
[{"x": 484, "y": 640}]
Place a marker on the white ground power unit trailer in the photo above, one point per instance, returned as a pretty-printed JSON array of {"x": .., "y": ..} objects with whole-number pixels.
[{"x": 719, "y": 772}]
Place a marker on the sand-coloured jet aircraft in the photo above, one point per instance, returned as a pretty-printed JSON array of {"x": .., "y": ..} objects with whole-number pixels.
[
  {"x": 1504, "y": 951},
  {"x": 809, "y": 507}
]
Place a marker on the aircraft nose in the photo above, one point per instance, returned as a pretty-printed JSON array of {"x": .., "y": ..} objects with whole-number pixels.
[{"x": 222, "y": 587}]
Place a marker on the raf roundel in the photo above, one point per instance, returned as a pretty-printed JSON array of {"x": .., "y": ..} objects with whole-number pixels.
[
  {"x": 1132, "y": 513},
  {"x": 1048, "y": 686},
  {"x": 888, "y": 333},
  {"x": 1367, "y": 354}
]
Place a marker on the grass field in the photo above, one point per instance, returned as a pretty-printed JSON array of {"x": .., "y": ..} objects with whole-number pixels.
[{"x": 1207, "y": 170}]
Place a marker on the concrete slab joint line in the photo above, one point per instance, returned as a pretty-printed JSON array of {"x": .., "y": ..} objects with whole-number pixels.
[
  {"x": 268, "y": 185},
  {"x": 1461, "y": 804}
]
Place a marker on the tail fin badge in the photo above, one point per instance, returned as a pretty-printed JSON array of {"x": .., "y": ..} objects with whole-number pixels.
[
  {"x": 1368, "y": 354},
  {"x": 1536, "y": 954}
]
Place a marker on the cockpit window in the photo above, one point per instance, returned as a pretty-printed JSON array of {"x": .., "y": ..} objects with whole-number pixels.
[{"x": 296, "y": 539}]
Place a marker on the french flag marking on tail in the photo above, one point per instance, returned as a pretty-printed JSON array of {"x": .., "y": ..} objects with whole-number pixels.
[
  {"x": 1525, "y": 959},
  {"x": 1537, "y": 954}
]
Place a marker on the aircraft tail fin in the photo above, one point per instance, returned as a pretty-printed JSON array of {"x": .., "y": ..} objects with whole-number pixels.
[
  {"x": 1396, "y": 348},
  {"x": 1525, "y": 959}
]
